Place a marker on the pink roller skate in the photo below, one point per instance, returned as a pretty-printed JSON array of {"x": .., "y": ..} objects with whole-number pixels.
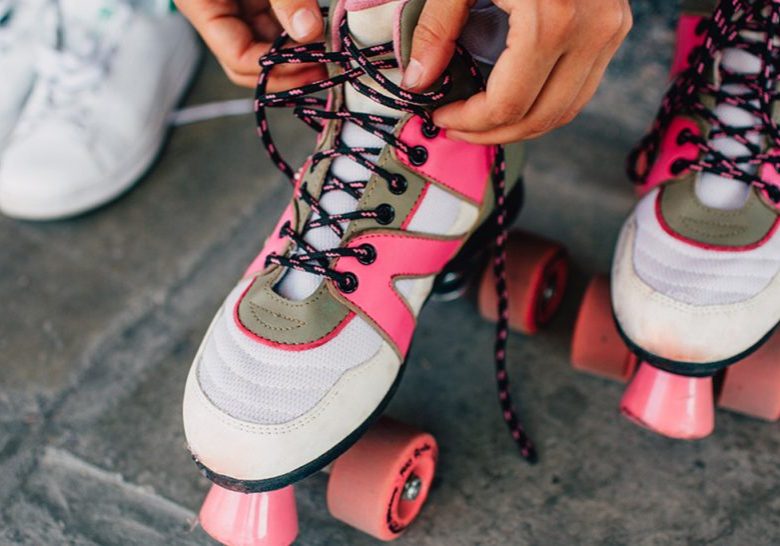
[
  {"x": 695, "y": 288},
  {"x": 309, "y": 347}
]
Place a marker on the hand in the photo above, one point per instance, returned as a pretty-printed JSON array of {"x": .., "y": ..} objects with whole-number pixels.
[
  {"x": 555, "y": 57},
  {"x": 239, "y": 32}
]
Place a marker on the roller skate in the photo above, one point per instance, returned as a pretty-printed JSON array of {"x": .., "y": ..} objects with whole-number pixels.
[
  {"x": 695, "y": 285},
  {"x": 310, "y": 345}
]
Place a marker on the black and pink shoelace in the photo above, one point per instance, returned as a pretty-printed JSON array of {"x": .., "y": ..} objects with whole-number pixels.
[
  {"x": 354, "y": 63},
  {"x": 724, "y": 30}
]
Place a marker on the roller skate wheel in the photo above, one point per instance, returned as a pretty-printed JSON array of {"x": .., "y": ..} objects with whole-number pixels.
[
  {"x": 380, "y": 485},
  {"x": 671, "y": 405},
  {"x": 596, "y": 345},
  {"x": 752, "y": 386},
  {"x": 250, "y": 519},
  {"x": 536, "y": 274}
]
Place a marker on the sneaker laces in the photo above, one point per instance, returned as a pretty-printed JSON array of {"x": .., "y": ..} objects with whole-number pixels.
[
  {"x": 6, "y": 29},
  {"x": 356, "y": 63},
  {"x": 735, "y": 24},
  {"x": 68, "y": 72}
]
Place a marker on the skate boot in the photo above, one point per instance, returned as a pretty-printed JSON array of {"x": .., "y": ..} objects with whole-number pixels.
[
  {"x": 310, "y": 345},
  {"x": 695, "y": 285}
]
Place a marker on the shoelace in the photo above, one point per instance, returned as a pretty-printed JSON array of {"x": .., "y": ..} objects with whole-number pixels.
[
  {"x": 64, "y": 81},
  {"x": 6, "y": 15},
  {"x": 724, "y": 30},
  {"x": 355, "y": 63}
]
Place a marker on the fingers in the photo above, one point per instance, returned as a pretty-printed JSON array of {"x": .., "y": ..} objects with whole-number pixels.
[
  {"x": 300, "y": 18},
  {"x": 596, "y": 75},
  {"x": 433, "y": 43},
  {"x": 282, "y": 78},
  {"x": 525, "y": 97},
  {"x": 517, "y": 79},
  {"x": 239, "y": 33},
  {"x": 227, "y": 35}
]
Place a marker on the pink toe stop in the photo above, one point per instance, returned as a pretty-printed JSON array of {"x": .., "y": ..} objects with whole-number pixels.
[
  {"x": 672, "y": 405},
  {"x": 250, "y": 519}
]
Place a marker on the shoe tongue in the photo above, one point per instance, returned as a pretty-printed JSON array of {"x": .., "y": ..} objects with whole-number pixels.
[
  {"x": 711, "y": 189},
  {"x": 369, "y": 26},
  {"x": 370, "y": 23},
  {"x": 85, "y": 21}
]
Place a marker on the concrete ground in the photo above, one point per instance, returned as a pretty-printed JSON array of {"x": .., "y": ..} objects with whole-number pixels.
[{"x": 104, "y": 313}]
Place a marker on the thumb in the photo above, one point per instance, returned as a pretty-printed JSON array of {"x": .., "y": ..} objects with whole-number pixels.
[
  {"x": 300, "y": 18},
  {"x": 433, "y": 43}
]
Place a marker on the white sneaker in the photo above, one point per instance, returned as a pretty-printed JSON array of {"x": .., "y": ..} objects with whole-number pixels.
[
  {"x": 22, "y": 28},
  {"x": 98, "y": 112}
]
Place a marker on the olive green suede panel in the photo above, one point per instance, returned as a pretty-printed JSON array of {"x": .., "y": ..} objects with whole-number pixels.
[
  {"x": 698, "y": 7},
  {"x": 687, "y": 216},
  {"x": 514, "y": 157},
  {"x": 409, "y": 17},
  {"x": 377, "y": 192},
  {"x": 264, "y": 312}
]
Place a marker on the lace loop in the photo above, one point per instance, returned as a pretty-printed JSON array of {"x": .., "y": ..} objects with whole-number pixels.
[{"x": 724, "y": 30}]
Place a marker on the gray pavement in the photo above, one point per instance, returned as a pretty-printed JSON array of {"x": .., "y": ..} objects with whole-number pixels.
[{"x": 104, "y": 313}]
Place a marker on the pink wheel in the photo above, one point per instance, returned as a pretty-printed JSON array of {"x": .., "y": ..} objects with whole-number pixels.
[
  {"x": 381, "y": 483},
  {"x": 537, "y": 271},
  {"x": 596, "y": 346},
  {"x": 752, "y": 386},
  {"x": 671, "y": 405},
  {"x": 250, "y": 519}
]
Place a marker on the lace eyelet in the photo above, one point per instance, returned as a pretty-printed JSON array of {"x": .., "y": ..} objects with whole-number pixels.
[
  {"x": 385, "y": 214},
  {"x": 418, "y": 155},
  {"x": 398, "y": 184},
  {"x": 370, "y": 254},
  {"x": 682, "y": 136},
  {"x": 348, "y": 283},
  {"x": 430, "y": 131},
  {"x": 678, "y": 166}
]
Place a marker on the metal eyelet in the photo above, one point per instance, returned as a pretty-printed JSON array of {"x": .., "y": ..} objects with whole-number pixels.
[
  {"x": 678, "y": 166},
  {"x": 430, "y": 131},
  {"x": 418, "y": 155},
  {"x": 348, "y": 283},
  {"x": 682, "y": 136},
  {"x": 398, "y": 184},
  {"x": 370, "y": 254},
  {"x": 385, "y": 214}
]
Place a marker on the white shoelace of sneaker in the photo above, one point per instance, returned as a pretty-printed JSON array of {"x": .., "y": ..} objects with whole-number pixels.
[
  {"x": 6, "y": 29},
  {"x": 68, "y": 74}
]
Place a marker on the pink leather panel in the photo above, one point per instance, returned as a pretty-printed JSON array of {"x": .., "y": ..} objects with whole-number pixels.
[
  {"x": 273, "y": 243},
  {"x": 462, "y": 167},
  {"x": 687, "y": 40},
  {"x": 670, "y": 151},
  {"x": 397, "y": 255}
]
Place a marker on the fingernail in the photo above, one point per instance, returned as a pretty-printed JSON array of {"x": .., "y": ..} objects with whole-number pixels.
[
  {"x": 303, "y": 24},
  {"x": 412, "y": 75}
]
